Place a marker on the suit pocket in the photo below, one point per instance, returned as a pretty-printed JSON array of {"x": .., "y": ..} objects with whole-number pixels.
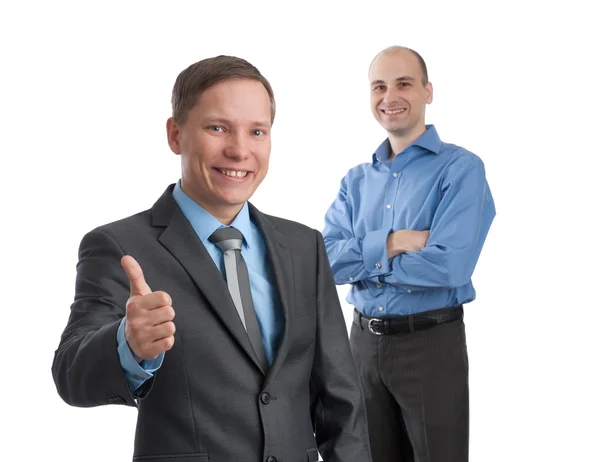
[
  {"x": 305, "y": 306},
  {"x": 312, "y": 455},
  {"x": 198, "y": 457}
]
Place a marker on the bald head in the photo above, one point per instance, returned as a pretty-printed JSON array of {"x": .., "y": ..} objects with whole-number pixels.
[
  {"x": 403, "y": 53},
  {"x": 400, "y": 91}
]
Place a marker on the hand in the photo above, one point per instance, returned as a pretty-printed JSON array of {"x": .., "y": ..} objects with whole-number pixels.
[
  {"x": 406, "y": 240},
  {"x": 149, "y": 327}
]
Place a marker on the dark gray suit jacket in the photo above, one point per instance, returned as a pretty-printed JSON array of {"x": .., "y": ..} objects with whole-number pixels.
[{"x": 210, "y": 400}]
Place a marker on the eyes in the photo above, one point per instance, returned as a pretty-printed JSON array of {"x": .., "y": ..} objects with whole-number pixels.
[
  {"x": 379, "y": 88},
  {"x": 257, "y": 132}
]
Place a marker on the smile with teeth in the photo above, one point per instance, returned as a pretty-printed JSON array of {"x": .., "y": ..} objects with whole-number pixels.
[
  {"x": 234, "y": 173},
  {"x": 393, "y": 111}
]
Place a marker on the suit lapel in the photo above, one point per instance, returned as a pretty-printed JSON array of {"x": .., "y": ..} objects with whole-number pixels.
[
  {"x": 180, "y": 239},
  {"x": 280, "y": 256}
]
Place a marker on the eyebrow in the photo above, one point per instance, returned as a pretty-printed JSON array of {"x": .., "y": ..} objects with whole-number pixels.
[
  {"x": 222, "y": 120},
  {"x": 404, "y": 78}
]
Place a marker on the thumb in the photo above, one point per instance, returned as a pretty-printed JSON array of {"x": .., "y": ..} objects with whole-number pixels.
[{"x": 134, "y": 272}]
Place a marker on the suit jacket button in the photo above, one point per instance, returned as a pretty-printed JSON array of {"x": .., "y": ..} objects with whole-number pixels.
[
  {"x": 271, "y": 459},
  {"x": 266, "y": 398}
]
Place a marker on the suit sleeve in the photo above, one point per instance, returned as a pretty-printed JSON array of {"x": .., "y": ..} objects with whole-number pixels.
[
  {"x": 86, "y": 368},
  {"x": 338, "y": 410}
]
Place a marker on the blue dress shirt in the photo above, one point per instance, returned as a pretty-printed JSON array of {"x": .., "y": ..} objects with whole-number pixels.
[
  {"x": 430, "y": 185},
  {"x": 264, "y": 293}
]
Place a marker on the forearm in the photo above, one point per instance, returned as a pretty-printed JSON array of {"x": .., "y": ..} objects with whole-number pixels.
[
  {"x": 405, "y": 240},
  {"x": 355, "y": 259},
  {"x": 429, "y": 268},
  {"x": 86, "y": 368}
]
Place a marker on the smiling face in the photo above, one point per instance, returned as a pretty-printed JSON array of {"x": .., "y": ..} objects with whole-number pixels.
[
  {"x": 398, "y": 93},
  {"x": 224, "y": 143}
]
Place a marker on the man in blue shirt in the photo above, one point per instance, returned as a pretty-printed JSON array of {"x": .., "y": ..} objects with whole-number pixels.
[
  {"x": 221, "y": 324},
  {"x": 406, "y": 231}
]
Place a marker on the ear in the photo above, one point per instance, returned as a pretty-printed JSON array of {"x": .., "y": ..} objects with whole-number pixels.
[
  {"x": 173, "y": 132},
  {"x": 429, "y": 89}
]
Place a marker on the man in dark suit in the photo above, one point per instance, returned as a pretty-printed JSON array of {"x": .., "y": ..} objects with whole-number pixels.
[{"x": 221, "y": 324}]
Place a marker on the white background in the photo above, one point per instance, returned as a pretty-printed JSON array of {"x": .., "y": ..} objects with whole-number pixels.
[{"x": 84, "y": 96}]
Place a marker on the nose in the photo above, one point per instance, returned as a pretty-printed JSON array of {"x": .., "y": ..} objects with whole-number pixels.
[
  {"x": 238, "y": 147},
  {"x": 391, "y": 95}
]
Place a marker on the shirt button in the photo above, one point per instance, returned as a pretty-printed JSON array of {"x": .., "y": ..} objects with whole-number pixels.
[
  {"x": 377, "y": 265},
  {"x": 388, "y": 206},
  {"x": 395, "y": 175},
  {"x": 380, "y": 308},
  {"x": 378, "y": 285},
  {"x": 409, "y": 291},
  {"x": 351, "y": 278}
]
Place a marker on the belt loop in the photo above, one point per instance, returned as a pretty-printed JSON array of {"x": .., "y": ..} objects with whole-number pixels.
[
  {"x": 411, "y": 323},
  {"x": 360, "y": 316}
]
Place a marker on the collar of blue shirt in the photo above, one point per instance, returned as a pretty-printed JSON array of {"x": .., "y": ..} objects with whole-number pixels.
[
  {"x": 429, "y": 140},
  {"x": 205, "y": 224}
]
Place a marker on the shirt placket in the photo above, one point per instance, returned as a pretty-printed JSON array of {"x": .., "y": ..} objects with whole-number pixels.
[{"x": 389, "y": 206}]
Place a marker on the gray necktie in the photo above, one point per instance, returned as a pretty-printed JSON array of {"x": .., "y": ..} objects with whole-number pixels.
[{"x": 229, "y": 240}]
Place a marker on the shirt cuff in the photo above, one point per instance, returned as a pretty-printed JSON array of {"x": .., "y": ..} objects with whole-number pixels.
[
  {"x": 136, "y": 373},
  {"x": 374, "y": 251}
]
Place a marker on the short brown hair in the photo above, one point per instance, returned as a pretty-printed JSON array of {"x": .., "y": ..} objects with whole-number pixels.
[{"x": 202, "y": 75}]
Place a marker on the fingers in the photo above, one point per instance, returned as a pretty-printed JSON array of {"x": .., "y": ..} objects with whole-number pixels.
[
  {"x": 164, "y": 330},
  {"x": 149, "y": 332},
  {"x": 134, "y": 272},
  {"x": 160, "y": 315},
  {"x": 151, "y": 350},
  {"x": 149, "y": 302},
  {"x": 163, "y": 344},
  {"x": 140, "y": 317}
]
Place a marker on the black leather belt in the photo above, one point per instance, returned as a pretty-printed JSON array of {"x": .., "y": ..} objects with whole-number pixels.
[{"x": 410, "y": 323}]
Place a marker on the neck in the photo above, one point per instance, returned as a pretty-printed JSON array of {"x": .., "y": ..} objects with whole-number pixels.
[
  {"x": 399, "y": 141},
  {"x": 225, "y": 213},
  {"x": 225, "y": 216}
]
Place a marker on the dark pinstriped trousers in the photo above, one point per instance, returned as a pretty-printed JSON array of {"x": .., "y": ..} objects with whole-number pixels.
[{"x": 416, "y": 393}]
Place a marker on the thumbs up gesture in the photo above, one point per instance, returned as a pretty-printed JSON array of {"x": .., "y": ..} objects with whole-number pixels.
[{"x": 149, "y": 327}]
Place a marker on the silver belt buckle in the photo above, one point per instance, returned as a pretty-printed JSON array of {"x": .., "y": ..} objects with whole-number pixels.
[{"x": 370, "y": 326}]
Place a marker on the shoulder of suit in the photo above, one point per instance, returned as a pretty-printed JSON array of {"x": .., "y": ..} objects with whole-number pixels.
[
  {"x": 289, "y": 226},
  {"x": 127, "y": 224}
]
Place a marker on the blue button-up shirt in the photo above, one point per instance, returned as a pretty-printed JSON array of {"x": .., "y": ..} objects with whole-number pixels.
[
  {"x": 264, "y": 292},
  {"x": 430, "y": 185}
]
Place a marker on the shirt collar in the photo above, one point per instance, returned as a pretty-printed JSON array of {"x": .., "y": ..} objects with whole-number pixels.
[
  {"x": 204, "y": 223},
  {"x": 429, "y": 140}
]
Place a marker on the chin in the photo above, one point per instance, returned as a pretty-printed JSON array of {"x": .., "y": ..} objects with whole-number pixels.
[
  {"x": 394, "y": 128},
  {"x": 235, "y": 200},
  {"x": 399, "y": 129}
]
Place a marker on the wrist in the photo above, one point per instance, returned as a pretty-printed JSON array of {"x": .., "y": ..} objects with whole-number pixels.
[
  {"x": 394, "y": 244},
  {"x": 135, "y": 356}
]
